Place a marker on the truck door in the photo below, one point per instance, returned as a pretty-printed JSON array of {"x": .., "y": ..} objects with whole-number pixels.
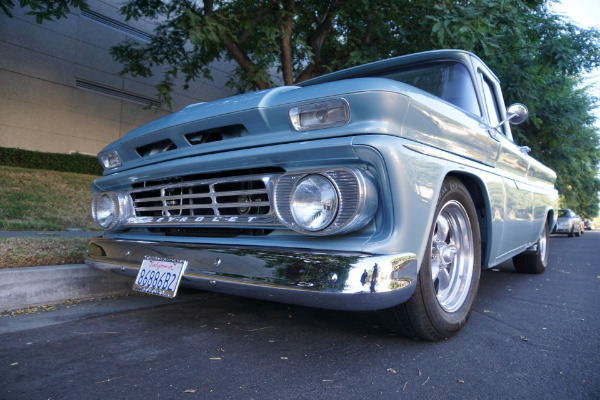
[{"x": 512, "y": 165}]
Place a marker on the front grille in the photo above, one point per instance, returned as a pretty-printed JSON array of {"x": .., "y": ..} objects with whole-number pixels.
[
  {"x": 200, "y": 200},
  {"x": 238, "y": 196}
]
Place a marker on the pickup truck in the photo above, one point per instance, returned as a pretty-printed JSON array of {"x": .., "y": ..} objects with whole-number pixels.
[{"x": 387, "y": 186}]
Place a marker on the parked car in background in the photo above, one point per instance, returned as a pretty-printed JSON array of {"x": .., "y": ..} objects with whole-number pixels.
[
  {"x": 388, "y": 186},
  {"x": 568, "y": 222},
  {"x": 587, "y": 224}
]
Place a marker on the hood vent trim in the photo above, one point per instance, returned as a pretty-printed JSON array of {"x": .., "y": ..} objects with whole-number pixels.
[{"x": 216, "y": 134}]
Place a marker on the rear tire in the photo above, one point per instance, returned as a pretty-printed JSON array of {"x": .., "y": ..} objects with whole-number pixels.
[
  {"x": 534, "y": 262},
  {"x": 448, "y": 279}
]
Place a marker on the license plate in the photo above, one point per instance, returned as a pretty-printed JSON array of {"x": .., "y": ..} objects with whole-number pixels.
[{"x": 160, "y": 276}]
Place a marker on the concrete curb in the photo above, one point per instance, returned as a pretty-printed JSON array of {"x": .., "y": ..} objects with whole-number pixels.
[{"x": 21, "y": 287}]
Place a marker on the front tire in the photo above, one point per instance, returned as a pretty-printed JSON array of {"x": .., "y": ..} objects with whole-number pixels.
[
  {"x": 534, "y": 262},
  {"x": 448, "y": 279}
]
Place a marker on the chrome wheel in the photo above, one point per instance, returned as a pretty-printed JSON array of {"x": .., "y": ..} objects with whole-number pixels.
[
  {"x": 543, "y": 243},
  {"x": 452, "y": 256},
  {"x": 448, "y": 279}
]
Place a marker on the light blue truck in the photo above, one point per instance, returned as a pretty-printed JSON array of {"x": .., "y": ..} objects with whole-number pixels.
[{"x": 388, "y": 186}]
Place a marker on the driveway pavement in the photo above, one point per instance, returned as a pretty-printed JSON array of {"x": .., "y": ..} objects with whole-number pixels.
[{"x": 529, "y": 337}]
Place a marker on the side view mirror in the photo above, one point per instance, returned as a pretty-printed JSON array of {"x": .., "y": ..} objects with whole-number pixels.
[{"x": 515, "y": 114}]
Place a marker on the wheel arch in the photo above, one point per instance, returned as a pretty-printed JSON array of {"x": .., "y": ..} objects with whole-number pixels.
[
  {"x": 551, "y": 219},
  {"x": 480, "y": 199}
]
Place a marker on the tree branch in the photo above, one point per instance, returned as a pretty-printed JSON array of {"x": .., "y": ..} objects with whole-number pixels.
[
  {"x": 237, "y": 53},
  {"x": 244, "y": 62},
  {"x": 261, "y": 15},
  {"x": 285, "y": 19},
  {"x": 315, "y": 41},
  {"x": 315, "y": 69}
]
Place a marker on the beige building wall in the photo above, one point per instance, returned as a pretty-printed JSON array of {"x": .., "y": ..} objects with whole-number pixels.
[{"x": 60, "y": 90}]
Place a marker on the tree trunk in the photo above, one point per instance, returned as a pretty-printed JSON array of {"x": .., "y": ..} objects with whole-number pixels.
[{"x": 285, "y": 20}]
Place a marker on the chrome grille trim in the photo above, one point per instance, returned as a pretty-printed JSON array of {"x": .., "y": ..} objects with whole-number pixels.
[{"x": 238, "y": 201}]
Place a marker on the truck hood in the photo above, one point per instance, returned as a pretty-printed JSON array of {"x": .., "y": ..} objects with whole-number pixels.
[
  {"x": 377, "y": 105},
  {"x": 222, "y": 107}
]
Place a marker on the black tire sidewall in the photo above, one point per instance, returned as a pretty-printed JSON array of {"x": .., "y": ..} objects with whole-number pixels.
[{"x": 532, "y": 262}]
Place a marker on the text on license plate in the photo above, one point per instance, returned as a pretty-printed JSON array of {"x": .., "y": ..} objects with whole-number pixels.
[{"x": 159, "y": 276}]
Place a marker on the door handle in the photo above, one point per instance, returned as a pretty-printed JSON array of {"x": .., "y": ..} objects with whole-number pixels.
[{"x": 493, "y": 134}]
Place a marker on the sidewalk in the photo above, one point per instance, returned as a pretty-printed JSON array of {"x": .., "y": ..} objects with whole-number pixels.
[
  {"x": 53, "y": 284},
  {"x": 22, "y": 287}
]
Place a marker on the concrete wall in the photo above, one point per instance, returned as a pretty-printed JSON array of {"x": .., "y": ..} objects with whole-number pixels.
[{"x": 42, "y": 109}]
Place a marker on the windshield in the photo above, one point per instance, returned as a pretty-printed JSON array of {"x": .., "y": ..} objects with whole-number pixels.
[{"x": 448, "y": 80}]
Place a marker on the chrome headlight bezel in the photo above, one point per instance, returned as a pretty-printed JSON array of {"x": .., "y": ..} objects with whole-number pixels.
[
  {"x": 108, "y": 209},
  {"x": 357, "y": 199}
]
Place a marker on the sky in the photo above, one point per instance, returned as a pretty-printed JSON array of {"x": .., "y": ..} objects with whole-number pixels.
[{"x": 585, "y": 13}]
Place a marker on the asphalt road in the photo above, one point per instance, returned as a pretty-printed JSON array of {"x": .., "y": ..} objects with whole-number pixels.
[{"x": 529, "y": 337}]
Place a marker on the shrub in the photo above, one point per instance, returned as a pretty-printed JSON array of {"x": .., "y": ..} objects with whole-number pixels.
[{"x": 77, "y": 163}]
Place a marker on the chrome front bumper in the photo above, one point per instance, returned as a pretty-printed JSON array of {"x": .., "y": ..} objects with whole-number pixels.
[{"x": 339, "y": 281}]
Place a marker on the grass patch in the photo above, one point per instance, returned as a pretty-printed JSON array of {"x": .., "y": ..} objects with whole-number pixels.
[
  {"x": 18, "y": 252},
  {"x": 34, "y": 199}
]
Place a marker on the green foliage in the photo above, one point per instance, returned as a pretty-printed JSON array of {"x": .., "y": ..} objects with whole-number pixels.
[
  {"x": 271, "y": 41},
  {"x": 77, "y": 163},
  {"x": 539, "y": 59},
  {"x": 44, "y": 10},
  {"x": 538, "y": 56}
]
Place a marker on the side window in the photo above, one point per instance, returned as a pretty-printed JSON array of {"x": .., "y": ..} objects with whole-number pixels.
[{"x": 490, "y": 102}]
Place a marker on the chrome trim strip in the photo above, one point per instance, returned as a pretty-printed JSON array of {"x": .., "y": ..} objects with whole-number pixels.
[
  {"x": 208, "y": 221},
  {"x": 333, "y": 280},
  {"x": 534, "y": 185}
]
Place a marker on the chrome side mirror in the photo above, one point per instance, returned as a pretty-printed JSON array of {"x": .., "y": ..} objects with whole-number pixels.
[{"x": 515, "y": 114}]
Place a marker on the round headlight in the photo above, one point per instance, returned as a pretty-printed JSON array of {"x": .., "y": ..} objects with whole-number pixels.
[
  {"x": 105, "y": 210},
  {"x": 314, "y": 202}
]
